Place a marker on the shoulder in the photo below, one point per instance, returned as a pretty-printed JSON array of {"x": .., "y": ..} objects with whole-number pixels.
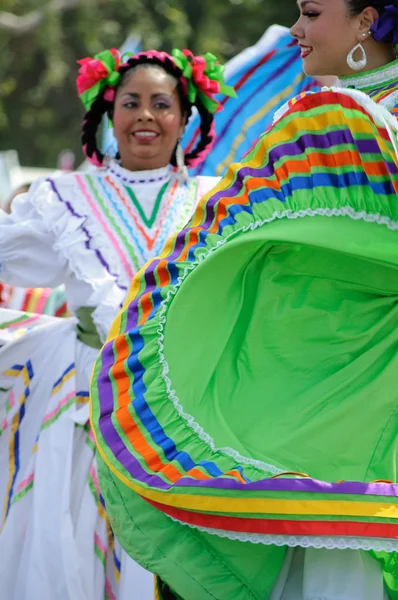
[
  {"x": 67, "y": 180},
  {"x": 334, "y": 99}
]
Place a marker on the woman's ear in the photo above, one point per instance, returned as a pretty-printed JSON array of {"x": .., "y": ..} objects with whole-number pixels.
[{"x": 368, "y": 16}]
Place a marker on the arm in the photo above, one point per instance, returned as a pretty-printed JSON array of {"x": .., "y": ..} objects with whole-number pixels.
[{"x": 27, "y": 255}]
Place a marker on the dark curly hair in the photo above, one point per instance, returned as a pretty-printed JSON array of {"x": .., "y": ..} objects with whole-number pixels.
[{"x": 102, "y": 105}]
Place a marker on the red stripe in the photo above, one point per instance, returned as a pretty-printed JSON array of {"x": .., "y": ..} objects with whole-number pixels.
[
  {"x": 280, "y": 527},
  {"x": 237, "y": 87},
  {"x": 61, "y": 310},
  {"x": 27, "y": 297}
]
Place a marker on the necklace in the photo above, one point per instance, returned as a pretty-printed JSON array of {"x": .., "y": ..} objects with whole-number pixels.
[{"x": 148, "y": 222}]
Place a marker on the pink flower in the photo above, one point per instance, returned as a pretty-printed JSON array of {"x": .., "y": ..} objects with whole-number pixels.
[
  {"x": 95, "y": 69},
  {"x": 201, "y": 80}
]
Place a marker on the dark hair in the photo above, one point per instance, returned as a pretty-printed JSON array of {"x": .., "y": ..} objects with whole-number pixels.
[
  {"x": 101, "y": 106},
  {"x": 357, "y": 6}
]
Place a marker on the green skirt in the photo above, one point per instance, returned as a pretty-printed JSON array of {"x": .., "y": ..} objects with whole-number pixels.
[{"x": 246, "y": 399}]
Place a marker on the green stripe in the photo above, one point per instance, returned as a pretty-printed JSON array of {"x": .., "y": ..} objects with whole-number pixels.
[
  {"x": 112, "y": 221},
  {"x": 99, "y": 554},
  {"x": 148, "y": 222},
  {"x": 14, "y": 321},
  {"x": 22, "y": 493},
  {"x": 59, "y": 413}
]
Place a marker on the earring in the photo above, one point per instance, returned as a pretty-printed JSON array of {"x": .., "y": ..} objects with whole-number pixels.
[
  {"x": 357, "y": 65},
  {"x": 180, "y": 159}
]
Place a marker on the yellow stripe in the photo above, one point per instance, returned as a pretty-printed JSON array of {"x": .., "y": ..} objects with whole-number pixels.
[
  {"x": 11, "y": 450},
  {"x": 219, "y": 504},
  {"x": 157, "y": 595},
  {"x": 104, "y": 517},
  {"x": 12, "y": 373},
  {"x": 11, "y": 462},
  {"x": 34, "y": 300},
  {"x": 63, "y": 380},
  {"x": 253, "y": 120}
]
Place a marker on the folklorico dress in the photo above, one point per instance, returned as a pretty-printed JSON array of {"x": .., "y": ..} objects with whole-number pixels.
[
  {"x": 245, "y": 406},
  {"x": 91, "y": 232}
]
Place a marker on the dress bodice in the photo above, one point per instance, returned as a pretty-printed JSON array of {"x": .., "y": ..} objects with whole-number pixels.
[
  {"x": 92, "y": 231},
  {"x": 380, "y": 84}
]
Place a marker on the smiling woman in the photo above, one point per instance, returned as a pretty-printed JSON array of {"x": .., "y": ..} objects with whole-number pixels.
[
  {"x": 92, "y": 231},
  {"x": 149, "y": 117},
  {"x": 245, "y": 405},
  {"x": 336, "y": 35}
]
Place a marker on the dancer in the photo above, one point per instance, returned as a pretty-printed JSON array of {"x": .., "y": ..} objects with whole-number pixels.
[
  {"x": 91, "y": 231},
  {"x": 245, "y": 405}
]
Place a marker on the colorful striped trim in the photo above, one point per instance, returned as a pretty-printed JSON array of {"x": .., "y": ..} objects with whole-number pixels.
[
  {"x": 326, "y": 141},
  {"x": 22, "y": 321},
  {"x": 26, "y": 372}
]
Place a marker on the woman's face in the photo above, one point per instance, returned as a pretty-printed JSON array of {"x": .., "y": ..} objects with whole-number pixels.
[
  {"x": 147, "y": 119},
  {"x": 326, "y": 33}
]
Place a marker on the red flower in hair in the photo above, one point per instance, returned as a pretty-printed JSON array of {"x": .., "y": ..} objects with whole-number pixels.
[{"x": 97, "y": 73}]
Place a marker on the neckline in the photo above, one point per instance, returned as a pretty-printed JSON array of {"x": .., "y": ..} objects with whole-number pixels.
[
  {"x": 162, "y": 193},
  {"x": 140, "y": 177},
  {"x": 374, "y": 77}
]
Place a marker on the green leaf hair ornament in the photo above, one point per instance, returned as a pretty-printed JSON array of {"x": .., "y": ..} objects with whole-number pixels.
[
  {"x": 97, "y": 73},
  {"x": 205, "y": 78}
]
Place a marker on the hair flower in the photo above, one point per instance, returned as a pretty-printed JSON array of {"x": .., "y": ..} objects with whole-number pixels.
[
  {"x": 385, "y": 29},
  {"x": 97, "y": 73},
  {"x": 205, "y": 78}
]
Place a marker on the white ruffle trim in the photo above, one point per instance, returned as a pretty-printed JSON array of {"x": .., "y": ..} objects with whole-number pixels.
[
  {"x": 367, "y": 79},
  {"x": 198, "y": 430},
  {"x": 293, "y": 541},
  {"x": 72, "y": 244}
]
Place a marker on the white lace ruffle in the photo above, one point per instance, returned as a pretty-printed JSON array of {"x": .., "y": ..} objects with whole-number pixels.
[
  {"x": 79, "y": 249},
  {"x": 294, "y": 541},
  {"x": 367, "y": 79},
  {"x": 190, "y": 421}
]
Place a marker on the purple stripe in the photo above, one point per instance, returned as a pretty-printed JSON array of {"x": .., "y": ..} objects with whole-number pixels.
[
  {"x": 151, "y": 285},
  {"x": 85, "y": 230},
  {"x": 110, "y": 435},
  {"x": 322, "y": 140},
  {"x": 132, "y": 310},
  {"x": 383, "y": 88},
  {"x": 127, "y": 180},
  {"x": 312, "y": 486}
]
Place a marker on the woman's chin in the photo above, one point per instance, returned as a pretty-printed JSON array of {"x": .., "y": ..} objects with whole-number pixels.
[{"x": 313, "y": 69}]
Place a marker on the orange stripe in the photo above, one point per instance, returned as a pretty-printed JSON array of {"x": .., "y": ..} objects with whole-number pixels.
[
  {"x": 193, "y": 240},
  {"x": 198, "y": 474},
  {"x": 236, "y": 475},
  {"x": 125, "y": 419},
  {"x": 340, "y": 159},
  {"x": 163, "y": 274},
  {"x": 150, "y": 241},
  {"x": 140, "y": 445},
  {"x": 146, "y": 306}
]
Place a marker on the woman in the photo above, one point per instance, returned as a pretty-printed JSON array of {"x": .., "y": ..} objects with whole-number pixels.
[
  {"x": 91, "y": 231},
  {"x": 254, "y": 365}
]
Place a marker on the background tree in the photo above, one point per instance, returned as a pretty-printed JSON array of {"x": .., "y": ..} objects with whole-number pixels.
[{"x": 40, "y": 41}]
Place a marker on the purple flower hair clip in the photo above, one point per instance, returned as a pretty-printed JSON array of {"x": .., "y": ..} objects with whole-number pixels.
[{"x": 385, "y": 29}]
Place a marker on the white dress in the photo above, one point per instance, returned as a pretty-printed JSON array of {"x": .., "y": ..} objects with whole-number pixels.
[{"x": 90, "y": 232}]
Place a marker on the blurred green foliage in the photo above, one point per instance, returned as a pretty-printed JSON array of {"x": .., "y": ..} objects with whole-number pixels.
[{"x": 40, "y": 114}]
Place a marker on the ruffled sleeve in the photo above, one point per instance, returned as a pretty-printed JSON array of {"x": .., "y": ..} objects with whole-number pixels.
[{"x": 27, "y": 255}]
